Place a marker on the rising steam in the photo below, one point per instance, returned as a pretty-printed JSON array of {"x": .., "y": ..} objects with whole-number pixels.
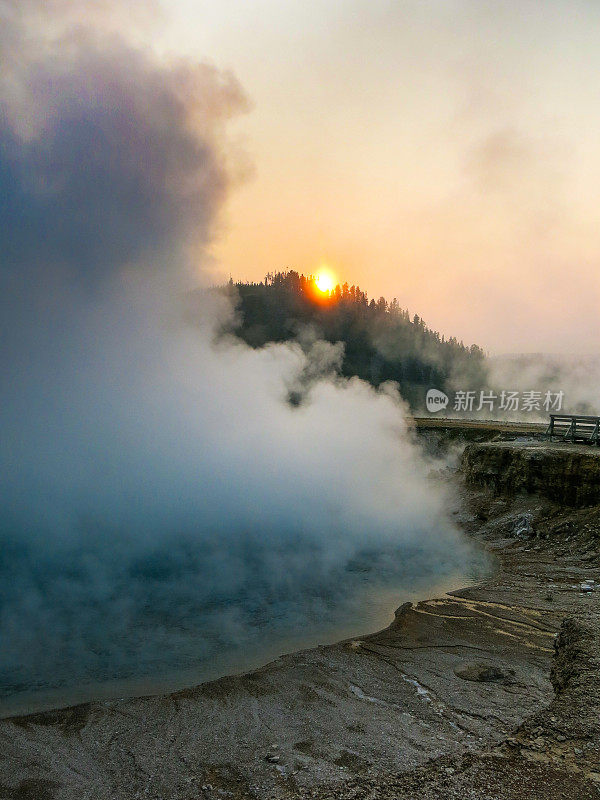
[{"x": 161, "y": 499}]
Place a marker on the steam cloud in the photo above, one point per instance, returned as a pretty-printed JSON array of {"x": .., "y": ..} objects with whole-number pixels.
[
  {"x": 160, "y": 498},
  {"x": 576, "y": 376}
]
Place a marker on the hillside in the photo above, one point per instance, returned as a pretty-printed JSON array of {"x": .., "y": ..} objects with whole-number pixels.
[{"x": 381, "y": 341}]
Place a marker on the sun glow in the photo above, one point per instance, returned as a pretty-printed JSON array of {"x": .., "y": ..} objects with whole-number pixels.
[{"x": 325, "y": 281}]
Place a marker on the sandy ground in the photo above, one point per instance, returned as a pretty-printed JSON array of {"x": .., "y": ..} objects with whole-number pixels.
[{"x": 492, "y": 692}]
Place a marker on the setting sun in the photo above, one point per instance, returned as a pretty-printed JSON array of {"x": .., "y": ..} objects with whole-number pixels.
[{"x": 325, "y": 281}]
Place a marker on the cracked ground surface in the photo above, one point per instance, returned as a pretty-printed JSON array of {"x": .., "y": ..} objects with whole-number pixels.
[{"x": 492, "y": 692}]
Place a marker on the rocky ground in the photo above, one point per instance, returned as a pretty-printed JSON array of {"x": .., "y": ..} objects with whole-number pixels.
[
  {"x": 554, "y": 752},
  {"x": 492, "y": 692}
]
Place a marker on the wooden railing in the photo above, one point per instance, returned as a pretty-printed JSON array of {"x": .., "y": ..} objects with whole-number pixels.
[{"x": 575, "y": 428}]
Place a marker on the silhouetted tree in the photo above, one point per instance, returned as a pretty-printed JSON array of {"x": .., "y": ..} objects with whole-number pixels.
[{"x": 381, "y": 342}]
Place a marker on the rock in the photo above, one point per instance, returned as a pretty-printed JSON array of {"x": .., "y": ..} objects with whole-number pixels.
[
  {"x": 272, "y": 758},
  {"x": 523, "y": 526},
  {"x": 479, "y": 671},
  {"x": 403, "y": 609},
  {"x": 564, "y": 475}
]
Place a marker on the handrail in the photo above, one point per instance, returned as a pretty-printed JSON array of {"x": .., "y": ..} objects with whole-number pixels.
[
  {"x": 579, "y": 428},
  {"x": 576, "y": 416}
]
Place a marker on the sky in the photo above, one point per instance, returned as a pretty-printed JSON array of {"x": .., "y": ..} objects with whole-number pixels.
[
  {"x": 444, "y": 152},
  {"x": 441, "y": 153},
  {"x": 162, "y": 502}
]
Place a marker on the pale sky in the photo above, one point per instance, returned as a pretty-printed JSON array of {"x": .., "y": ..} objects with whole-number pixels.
[{"x": 443, "y": 152}]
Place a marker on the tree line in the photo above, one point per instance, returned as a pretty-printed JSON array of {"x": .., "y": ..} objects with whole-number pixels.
[{"x": 381, "y": 340}]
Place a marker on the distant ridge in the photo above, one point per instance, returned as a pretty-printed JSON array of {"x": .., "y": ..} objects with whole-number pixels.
[{"x": 381, "y": 341}]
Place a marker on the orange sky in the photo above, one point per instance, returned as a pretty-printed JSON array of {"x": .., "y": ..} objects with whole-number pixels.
[{"x": 443, "y": 152}]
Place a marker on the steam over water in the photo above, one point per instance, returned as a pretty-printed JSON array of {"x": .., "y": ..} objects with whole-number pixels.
[
  {"x": 166, "y": 509},
  {"x": 162, "y": 506}
]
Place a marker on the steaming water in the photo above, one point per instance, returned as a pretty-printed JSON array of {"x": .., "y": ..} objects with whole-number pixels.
[
  {"x": 202, "y": 647},
  {"x": 166, "y": 515}
]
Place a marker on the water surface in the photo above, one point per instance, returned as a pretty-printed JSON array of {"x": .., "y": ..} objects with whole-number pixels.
[{"x": 188, "y": 645}]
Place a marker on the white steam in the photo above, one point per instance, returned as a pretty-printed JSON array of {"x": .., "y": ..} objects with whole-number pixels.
[{"x": 161, "y": 500}]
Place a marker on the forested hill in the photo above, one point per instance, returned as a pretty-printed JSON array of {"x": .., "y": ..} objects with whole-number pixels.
[{"x": 381, "y": 341}]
